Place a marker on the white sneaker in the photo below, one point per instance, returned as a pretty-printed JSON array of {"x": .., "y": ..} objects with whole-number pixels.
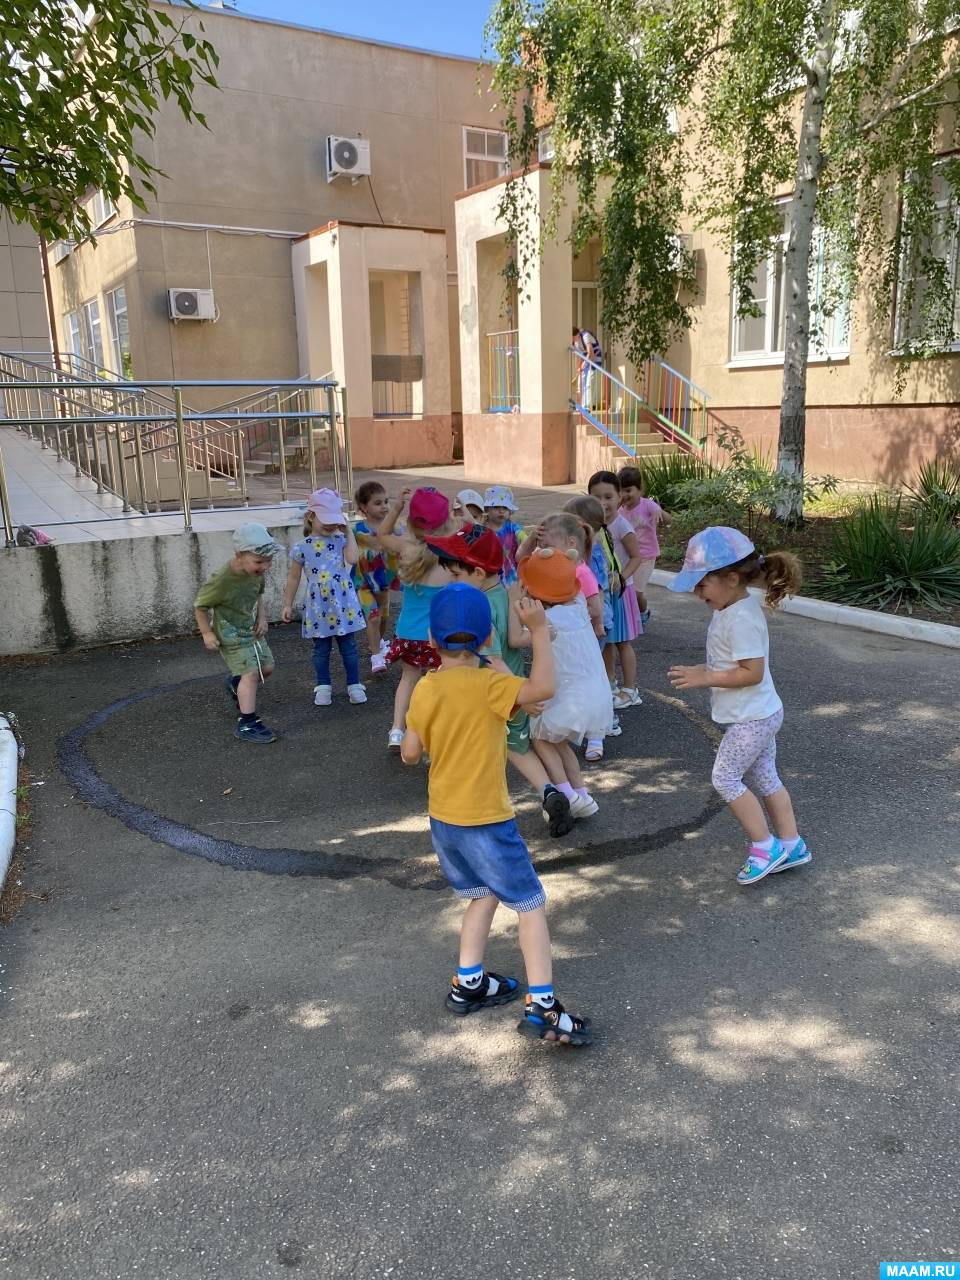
[
  {"x": 384, "y": 645},
  {"x": 378, "y": 663},
  {"x": 615, "y": 729},
  {"x": 395, "y": 739},
  {"x": 627, "y": 698},
  {"x": 322, "y": 695},
  {"x": 583, "y": 806},
  {"x": 356, "y": 693}
]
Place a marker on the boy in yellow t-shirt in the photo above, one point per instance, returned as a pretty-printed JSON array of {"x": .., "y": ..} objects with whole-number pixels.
[{"x": 458, "y": 714}]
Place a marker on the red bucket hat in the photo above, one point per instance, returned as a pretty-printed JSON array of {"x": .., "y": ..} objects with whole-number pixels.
[
  {"x": 474, "y": 544},
  {"x": 429, "y": 509}
]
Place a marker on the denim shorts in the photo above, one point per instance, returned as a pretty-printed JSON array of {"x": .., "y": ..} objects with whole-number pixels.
[{"x": 492, "y": 860}]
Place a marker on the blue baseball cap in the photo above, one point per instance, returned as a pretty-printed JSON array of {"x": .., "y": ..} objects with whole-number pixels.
[
  {"x": 709, "y": 550},
  {"x": 460, "y": 610}
]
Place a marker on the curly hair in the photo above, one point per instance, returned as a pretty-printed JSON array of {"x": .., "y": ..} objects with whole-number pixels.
[
  {"x": 416, "y": 559},
  {"x": 779, "y": 572}
]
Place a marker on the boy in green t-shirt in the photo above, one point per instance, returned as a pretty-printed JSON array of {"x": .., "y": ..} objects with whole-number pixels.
[
  {"x": 474, "y": 556},
  {"x": 234, "y": 598}
]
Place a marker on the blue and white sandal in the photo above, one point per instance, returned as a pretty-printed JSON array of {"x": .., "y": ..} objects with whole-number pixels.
[
  {"x": 798, "y": 856},
  {"x": 760, "y": 862}
]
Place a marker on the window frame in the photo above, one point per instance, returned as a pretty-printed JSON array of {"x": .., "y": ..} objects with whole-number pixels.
[
  {"x": 122, "y": 363},
  {"x": 899, "y": 337},
  {"x": 101, "y": 209},
  {"x": 468, "y": 155},
  {"x": 769, "y": 356}
]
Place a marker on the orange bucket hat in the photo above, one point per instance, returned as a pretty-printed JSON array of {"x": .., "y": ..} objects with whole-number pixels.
[{"x": 549, "y": 575}]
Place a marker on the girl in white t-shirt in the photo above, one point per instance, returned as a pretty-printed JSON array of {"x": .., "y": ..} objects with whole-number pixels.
[{"x": 719, "y": 565}]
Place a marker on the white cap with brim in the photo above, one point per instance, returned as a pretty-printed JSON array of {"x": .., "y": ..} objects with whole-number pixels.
[
  {"x": 468, "y": 498},
  {"x": 252, "y": 536},
  {"x": 711, "y": 549}
]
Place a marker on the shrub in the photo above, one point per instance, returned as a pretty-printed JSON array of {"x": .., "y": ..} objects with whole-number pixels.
[
  {"x": 747, "y": 491},
  {"x": 665, "y": 471},
  {"x": 877, "y": 563},
  {"x": 935, "y": 493}
]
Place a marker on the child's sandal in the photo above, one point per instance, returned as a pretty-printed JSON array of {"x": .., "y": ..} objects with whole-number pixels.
[
  {"x": 539, "y": 1023},
  {"x": 594, "y": 751}
]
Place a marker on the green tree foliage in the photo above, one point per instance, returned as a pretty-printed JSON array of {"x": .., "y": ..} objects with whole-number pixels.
[
  {"x": 706, "y": 113},
  {"x": 79, "y": 86}
]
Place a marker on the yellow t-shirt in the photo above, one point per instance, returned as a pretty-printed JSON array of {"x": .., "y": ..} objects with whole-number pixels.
[{"x": 460, "y": 717}]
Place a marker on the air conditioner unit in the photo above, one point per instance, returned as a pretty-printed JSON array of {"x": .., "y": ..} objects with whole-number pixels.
[
  {"x": 348, "y": 157},
  {"x": 191, "y": 304}
]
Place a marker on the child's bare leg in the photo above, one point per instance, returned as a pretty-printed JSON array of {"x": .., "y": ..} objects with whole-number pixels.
[
  {"x": 748, "y": 811},
  {"x": 401, "y": 702},
  {"x": 535, "y": 945},
  {"x": 570, "y": 765},
  {"x": 530, "y": 766},
  {"x": 552, "y": 763},
  {"x": 609, "y": 661},
  {"x": 373, "y": 633},
  {"x": 247, "y": 692},
  {"x": 780, "y": 808},
  {"x": 628, "y": 663},
  {"x": 475, "y": 929},
  {"x": 642, "y": 601},
  {"x": 383, "y": 613}
]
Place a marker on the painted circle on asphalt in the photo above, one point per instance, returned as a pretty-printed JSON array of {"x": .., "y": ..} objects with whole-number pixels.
[{"x": 404, "y": 873}]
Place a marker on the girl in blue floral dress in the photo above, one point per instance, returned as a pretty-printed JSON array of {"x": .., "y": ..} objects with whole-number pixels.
[{"x": 326, "y": 555}]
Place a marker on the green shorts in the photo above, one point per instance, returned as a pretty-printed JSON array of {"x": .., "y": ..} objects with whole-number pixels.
[
  {"x": 518, "y": 733},
  {"x": 241, "y": 655}
]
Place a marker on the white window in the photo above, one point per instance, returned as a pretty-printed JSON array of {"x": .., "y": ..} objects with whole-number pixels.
[
  {"x": 119, "y": 332},
  {"x": 484, "y": 156},
  {"x": 100, "y": 208},
  {"x": 920, "y": 317},
  {"x": 545, "y": 145},
  {"x": 61, "y": 249},
  {"x": 759, "y": 339},
  {"x": 84, "y": 337}
]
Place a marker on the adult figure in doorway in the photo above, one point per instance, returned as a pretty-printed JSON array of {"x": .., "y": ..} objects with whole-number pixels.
[{"x": 587, "y": 346}]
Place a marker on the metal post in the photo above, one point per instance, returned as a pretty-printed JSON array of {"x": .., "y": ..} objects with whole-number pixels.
[
  {"x": 242, "y": 468},
  {"x": 9, "y": 539},
  {"x": 182, "y": 456},
  {"x": 109, "y": 435},
  {"x": 206, "y": 465},
  {"x": 85, "y": 436},
  {"x": 334, "y": 438},
  {"x": 124, "y": 482},
  {"x": 283, "y": 452},
  {"x": 138, "y": 466},
  {"x": 347, "y": 443},
  {"x": 98, "y": 461}
]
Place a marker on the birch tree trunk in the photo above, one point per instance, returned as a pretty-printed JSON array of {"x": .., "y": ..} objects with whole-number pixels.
[{"x": 793, "y": 407}]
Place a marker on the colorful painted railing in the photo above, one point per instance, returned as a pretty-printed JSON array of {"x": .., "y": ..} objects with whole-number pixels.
[
  {"x": 503, "y": 372},
  {"x": 665, "y": 402}
]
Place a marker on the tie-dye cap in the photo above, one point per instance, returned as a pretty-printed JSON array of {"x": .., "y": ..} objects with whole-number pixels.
[{"x": 709, "y": 550}]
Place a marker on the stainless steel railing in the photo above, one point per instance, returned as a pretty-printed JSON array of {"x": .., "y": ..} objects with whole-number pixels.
[{"x": 141, "y": 442}]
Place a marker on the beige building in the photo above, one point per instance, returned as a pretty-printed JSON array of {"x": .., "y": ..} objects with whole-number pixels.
[
  {"x": 23, "y": 311},
  {"x": 516, "y": 368},
  {"x": 354, "y": 277}
]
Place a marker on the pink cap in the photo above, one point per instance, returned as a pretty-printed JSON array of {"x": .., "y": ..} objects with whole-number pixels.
[
  {"x": 327, "y": 506},
  {"x": 429, "y": 509}
]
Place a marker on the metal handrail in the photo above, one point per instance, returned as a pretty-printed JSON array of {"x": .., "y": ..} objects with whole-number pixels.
[
  {"x": 123, "y": 438},
  {"x": 634, "y": 408}
]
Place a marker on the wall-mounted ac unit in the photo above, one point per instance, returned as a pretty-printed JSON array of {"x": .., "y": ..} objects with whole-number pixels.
[
  {"x": 348, "y": 158},
  {"x": 191, "y": 304}
]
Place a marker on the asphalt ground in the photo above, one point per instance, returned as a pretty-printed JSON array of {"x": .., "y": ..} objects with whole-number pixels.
[{"x": 219, "y": 1072}]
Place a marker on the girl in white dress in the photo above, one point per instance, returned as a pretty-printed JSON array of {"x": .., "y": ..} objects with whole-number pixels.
[{"x": 583, "y": 704}]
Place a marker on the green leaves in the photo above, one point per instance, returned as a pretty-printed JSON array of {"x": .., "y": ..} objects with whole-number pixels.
[
  {"x": 78, "y": 96},
  {"x": 880, "y": 563}
]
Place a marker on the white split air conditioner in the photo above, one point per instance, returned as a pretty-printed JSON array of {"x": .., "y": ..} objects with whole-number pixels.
[
  {"x": 191, "y": 304},
  {"x": 348, "y": 157}
]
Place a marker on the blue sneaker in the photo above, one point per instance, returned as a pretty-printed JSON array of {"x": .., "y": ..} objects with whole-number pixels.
[
  {"x": 798, "y": 856},
  {"x": 254, "y": 731},
  {"x": 760, "y": 862},
  {"x": 645, "y": 618}
]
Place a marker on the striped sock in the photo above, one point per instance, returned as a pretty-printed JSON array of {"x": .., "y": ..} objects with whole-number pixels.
[
  {"x": 543, "y": 994},
  {"x": 469, "y": 978}
]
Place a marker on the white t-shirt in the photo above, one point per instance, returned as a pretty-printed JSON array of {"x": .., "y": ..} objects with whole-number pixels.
[
  {"x": 620, "y": 528},
  {"x": 736, "y": 633}
]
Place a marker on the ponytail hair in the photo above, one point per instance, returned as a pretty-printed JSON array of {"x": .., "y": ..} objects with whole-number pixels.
[
  {"x": 416, "y": 559},
  {"x": 568, "y": 525},
  {"x": 779, "y": 572}
]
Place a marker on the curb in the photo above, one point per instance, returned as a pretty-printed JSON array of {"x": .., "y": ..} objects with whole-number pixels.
[
  {"x": 9, "y": 761},
  {"x": 843, "y": 615}
]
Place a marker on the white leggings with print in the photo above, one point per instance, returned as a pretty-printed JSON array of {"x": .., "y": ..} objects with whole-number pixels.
[{"x": 747, "y": 757}]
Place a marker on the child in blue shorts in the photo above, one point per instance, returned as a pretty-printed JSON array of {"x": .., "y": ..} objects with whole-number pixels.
[{"x": 458, "y": 714}]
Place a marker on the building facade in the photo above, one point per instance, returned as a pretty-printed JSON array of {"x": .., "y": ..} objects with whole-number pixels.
[
  {"x": 23, "y": 311},
  {"x": 244, "y": 211}
]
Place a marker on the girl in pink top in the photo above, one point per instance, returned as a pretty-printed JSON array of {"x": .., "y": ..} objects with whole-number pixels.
[
  {"x": 566, "y": 532},
  {"x": 644, "y": 515}
]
